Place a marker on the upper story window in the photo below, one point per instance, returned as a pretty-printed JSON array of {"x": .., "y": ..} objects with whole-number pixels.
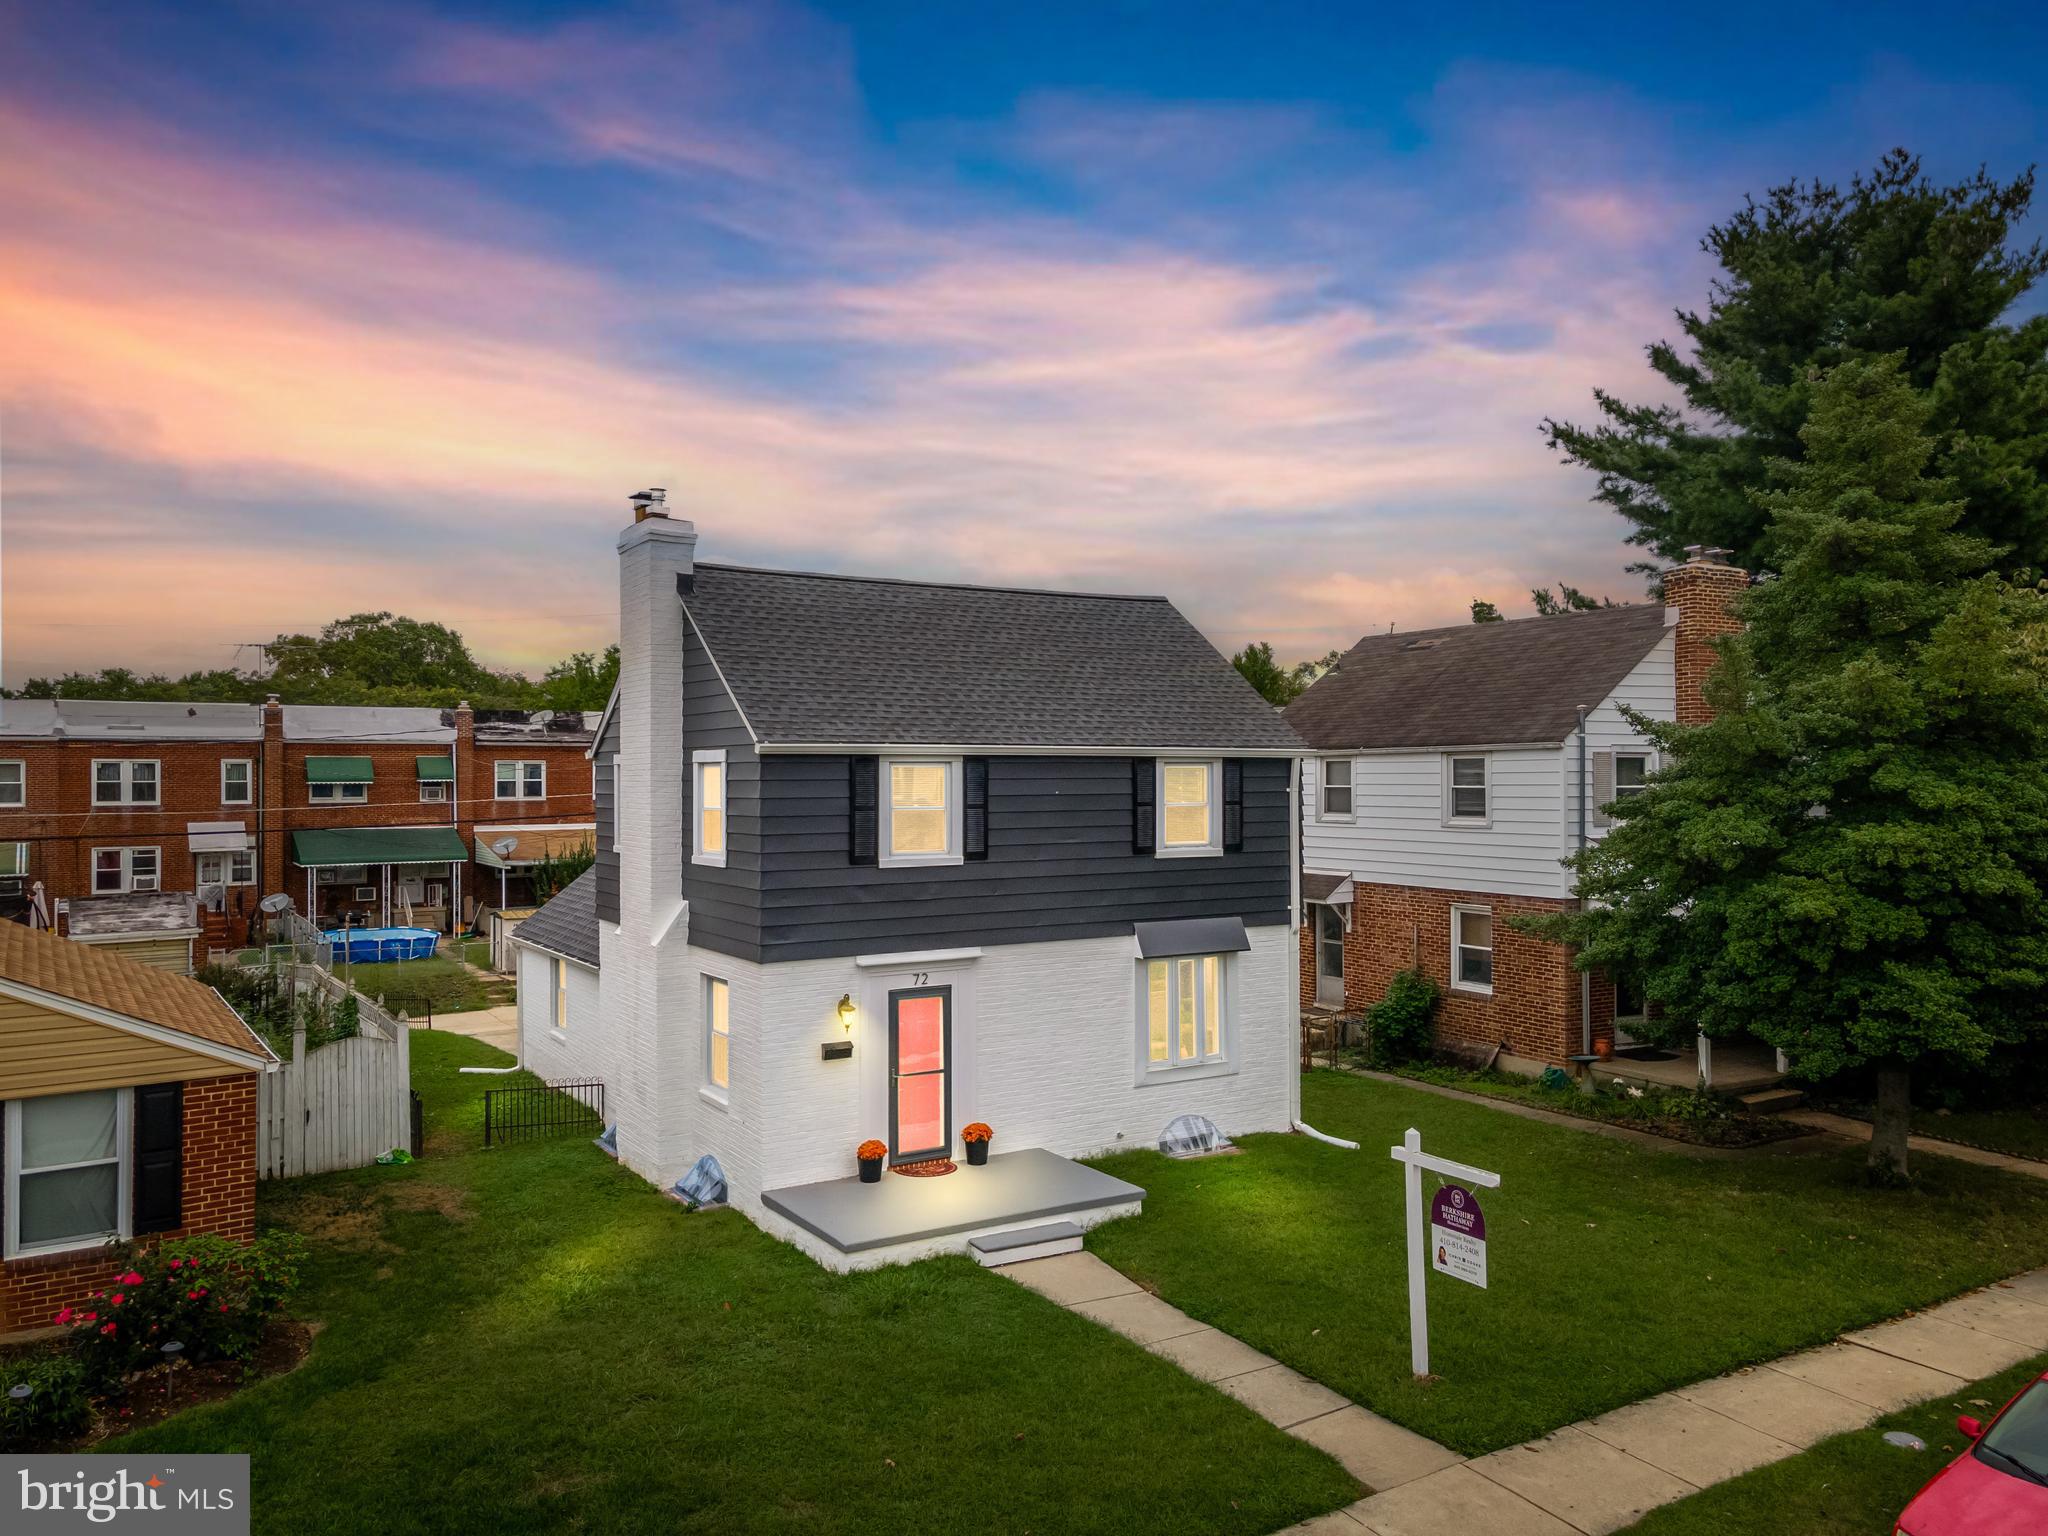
[
  {"x": 433, "y": 791},
  {"x": 67, "y": 1171},
  {"x": 346, "y": 791},
  {"x": 707, "y": 843},
  {"x": 1468, "y": 790},
  {"x": 1334, "y": 802},
  {"x": 13, "y": 783},
  {"x": 1472, "y": 949},
  {"x": 13, "y": 867},
  {"x": 237, "y": 781},
  {"x": 1190, "y": 821},
  {"x": 124, "y": 781},
  {"x": 613, "y": 770},
  {"x": 116, "y": 871},
  {"x": 1631, "y": 774},
  {"x": 920, "y": 811},
  {"x": 521, "y": 780},
  {"x": 1183, "y": 1013}
]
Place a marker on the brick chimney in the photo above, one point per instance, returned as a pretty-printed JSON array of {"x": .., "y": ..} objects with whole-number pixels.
[
  {"x": 270, "y": 805},
  {"x": 1703, "y": 590}
]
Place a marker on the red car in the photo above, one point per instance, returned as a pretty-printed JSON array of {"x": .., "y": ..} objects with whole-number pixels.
[{"x": 1999, "y": 1486}]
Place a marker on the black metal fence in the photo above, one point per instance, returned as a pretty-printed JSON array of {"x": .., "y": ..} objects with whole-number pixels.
[{"x": 555, "y": 1109}]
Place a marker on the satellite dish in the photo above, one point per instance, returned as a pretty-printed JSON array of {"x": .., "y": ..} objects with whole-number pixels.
[
  {"x": 505, "y": 847},
  {"x": 276, "y": 903}
]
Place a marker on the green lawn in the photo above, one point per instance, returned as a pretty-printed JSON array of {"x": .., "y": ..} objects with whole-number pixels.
[
  {"x": 2021, "y": 1132},
  {"x": 415, "y": 985},
  {"x": 533, "y": 1340},
  {"x": 1852, "y": 1485},
  {"x": 1617, "y": 1271}
]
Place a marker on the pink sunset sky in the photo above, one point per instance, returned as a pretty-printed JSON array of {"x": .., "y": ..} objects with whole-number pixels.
[{"x": 392, "y": 310}]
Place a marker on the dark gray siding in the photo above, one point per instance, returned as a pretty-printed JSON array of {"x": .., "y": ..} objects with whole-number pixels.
[
  {"x": 725, "y": 909},
  {"x": 605, "y": 796},
  {"x": 1059, "y": 865}
]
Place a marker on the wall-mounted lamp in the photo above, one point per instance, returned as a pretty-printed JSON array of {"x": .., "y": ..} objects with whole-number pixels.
[{"x": 847, "y": 1011}]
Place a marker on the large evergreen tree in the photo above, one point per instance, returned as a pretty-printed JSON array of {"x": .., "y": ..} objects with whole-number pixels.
[
  {"x": 1850, "y": 861},
  {"x": 1811, "y": 278}
]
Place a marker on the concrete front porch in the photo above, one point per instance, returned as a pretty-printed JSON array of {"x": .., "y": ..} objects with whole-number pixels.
[
  {"x": 845, "y": 1224},
  {"x": 1730, "y": 1067}
]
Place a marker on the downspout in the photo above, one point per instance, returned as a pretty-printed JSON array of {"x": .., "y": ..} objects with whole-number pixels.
[
  {"x": 1295, "y": 770},
  {"x": 1585, "y": 820}
]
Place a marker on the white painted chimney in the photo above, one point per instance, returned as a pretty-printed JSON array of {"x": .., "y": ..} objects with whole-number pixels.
[{"x": 647, "y": 979}]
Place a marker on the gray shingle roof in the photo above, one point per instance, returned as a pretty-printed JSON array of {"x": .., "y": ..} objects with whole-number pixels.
[
  {"x": 817, "y": 660},
  {"x": 1475, "y": 684},
  {"x": 567, "y": 924}
]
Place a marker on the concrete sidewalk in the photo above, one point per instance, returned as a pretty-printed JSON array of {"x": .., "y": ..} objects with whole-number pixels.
[
  {"x": 1608, "y": 1472},
  {"x": 1378, "y": 1453},
  {"x": 1933, "y": 1146}
]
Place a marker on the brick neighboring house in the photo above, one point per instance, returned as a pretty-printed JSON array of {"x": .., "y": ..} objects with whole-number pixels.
[
  {"x": 1452, "y": 776},
  {"x": 344, "y": 808},
  {"x": 127, "y": 1113}
]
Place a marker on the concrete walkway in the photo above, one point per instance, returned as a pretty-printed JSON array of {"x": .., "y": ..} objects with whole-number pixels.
[
  {"x": 1608, "y": 1472},
  {"x": 497, "y": 1026},
  {"x": 1378, "y": 1453},
  {"x": 1933, "y": 1146}
]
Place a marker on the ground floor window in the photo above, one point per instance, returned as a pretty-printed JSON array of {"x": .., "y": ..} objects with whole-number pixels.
[
  {"x": 233, "y": 868},
  {"x": 118, "y": 870},
  {"x": 66, "y": 1171},
  {"x": 717, "y": 1033},
  {"x": 1472, "y": 949},
  {"x": 1183, "y": 1016}
]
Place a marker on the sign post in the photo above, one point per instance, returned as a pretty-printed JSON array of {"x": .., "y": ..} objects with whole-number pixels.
[{"x": 1462, "y": 1232}]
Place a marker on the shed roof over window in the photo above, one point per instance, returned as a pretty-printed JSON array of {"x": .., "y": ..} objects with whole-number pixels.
[
  {"x": 1191, "y": 936},
  {"x": 344, "y": 846},
  {"x": 435, "y": 770},
  {"x": 338, "y": 770}
]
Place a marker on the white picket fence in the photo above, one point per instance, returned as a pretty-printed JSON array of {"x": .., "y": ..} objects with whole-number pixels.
[{"x": 340, "y": 1105}]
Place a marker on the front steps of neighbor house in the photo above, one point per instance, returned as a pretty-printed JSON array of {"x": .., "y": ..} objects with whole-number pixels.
[
  {"x": 1772, "y": 1101},
  {"x": 994, "y": 1249}
]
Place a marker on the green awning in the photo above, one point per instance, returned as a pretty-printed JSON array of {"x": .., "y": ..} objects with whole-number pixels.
[
  {"x": 338, "y": 770},
  {"x": 334, "y": 846},
  {"x": 435, "y": 770}
]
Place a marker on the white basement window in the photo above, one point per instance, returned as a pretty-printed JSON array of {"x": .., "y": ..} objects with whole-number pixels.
[
  {"x": 708, "y": 795},
  {"x": 124, "y": 781},
  {"x": 67, "y": 1171},
  {"x": 1190, "y": 815},
  {"x": 1183, "y": 1013},
  {"x": 116, "y": 871},
  {"x": 1472, "y": 949},
  {"x": 1467, "y": 793},
  {"x": 921, "y": 811},
  {"x": 1335, "y": 801},
  {"x": 519, "y": 780}
]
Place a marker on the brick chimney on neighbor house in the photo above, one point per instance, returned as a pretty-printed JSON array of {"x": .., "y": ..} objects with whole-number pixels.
[{"x": 1703, "y": 590}]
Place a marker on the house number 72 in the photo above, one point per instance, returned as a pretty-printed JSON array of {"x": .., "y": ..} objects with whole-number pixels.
[{"x": 920, "y": 978}]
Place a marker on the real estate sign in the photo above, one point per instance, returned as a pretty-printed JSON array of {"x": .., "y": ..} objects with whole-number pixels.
[{"x": 1457, "y": 1235}]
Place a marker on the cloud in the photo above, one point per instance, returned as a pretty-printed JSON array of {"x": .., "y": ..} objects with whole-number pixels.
[{"x": 303, "y": 381}]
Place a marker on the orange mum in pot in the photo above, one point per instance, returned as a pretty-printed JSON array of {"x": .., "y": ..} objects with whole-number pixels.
[
  {"x": 976, "y": 1132},
  {"x": 871, "y": 1149}
]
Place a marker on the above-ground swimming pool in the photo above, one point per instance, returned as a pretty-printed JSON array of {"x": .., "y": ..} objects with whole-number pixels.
[{"x": 365, "y": 946}]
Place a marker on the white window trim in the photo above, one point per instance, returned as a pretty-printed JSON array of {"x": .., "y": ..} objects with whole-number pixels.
[
  {"x": 886, "y": 815},
  {"x": 313, "y": 797},
  {"x": 227, "y": 859},
  {"x": 1213, "y": 848},
  {"x": 434, "y": 791},
  {"x": 20, "y": 870},
  {"x": 1450, "y": 819},
  {"x": 1224, "y": 1063},
  {"x": 128, "y": 765},
  {"x": 21, "y": 782},
  {"x": 558, "y": 996},
  {"x": 1323, "y": 811},
  {"x": 616, "y": 845},
  {"x": 249, "y": 779},
  {"x": 127, "y": 852},
  {"x": 698, "y": 854},
  {"x": 519, "y": 765},
  {"x": 717, "y": 1093},
  {"x": 1458, "y": 913},
  {"x": 123, "y": 1195},
  {"x": 1632, "y": 749}
]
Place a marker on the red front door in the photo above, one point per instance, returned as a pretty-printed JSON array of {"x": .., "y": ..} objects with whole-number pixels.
[{"x": 920, "y": 1083}]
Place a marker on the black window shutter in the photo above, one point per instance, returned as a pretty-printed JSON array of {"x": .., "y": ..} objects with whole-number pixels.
[
  {"x": 863, "y": 780},
  {"x": 1144, "y": 801},
  {"x": 974, "y": 807},
  {"x": 159, "y": 1157},
  {"x": 1233, "y": 805}
]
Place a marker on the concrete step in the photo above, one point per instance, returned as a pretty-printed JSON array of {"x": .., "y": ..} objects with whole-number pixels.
[
  {"x": 996, "y": 1248},
  {"x": 1773, "y": 1101}
]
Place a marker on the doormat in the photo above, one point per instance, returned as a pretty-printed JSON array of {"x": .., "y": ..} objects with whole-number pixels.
[{"x": 931, "y": 1168}]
